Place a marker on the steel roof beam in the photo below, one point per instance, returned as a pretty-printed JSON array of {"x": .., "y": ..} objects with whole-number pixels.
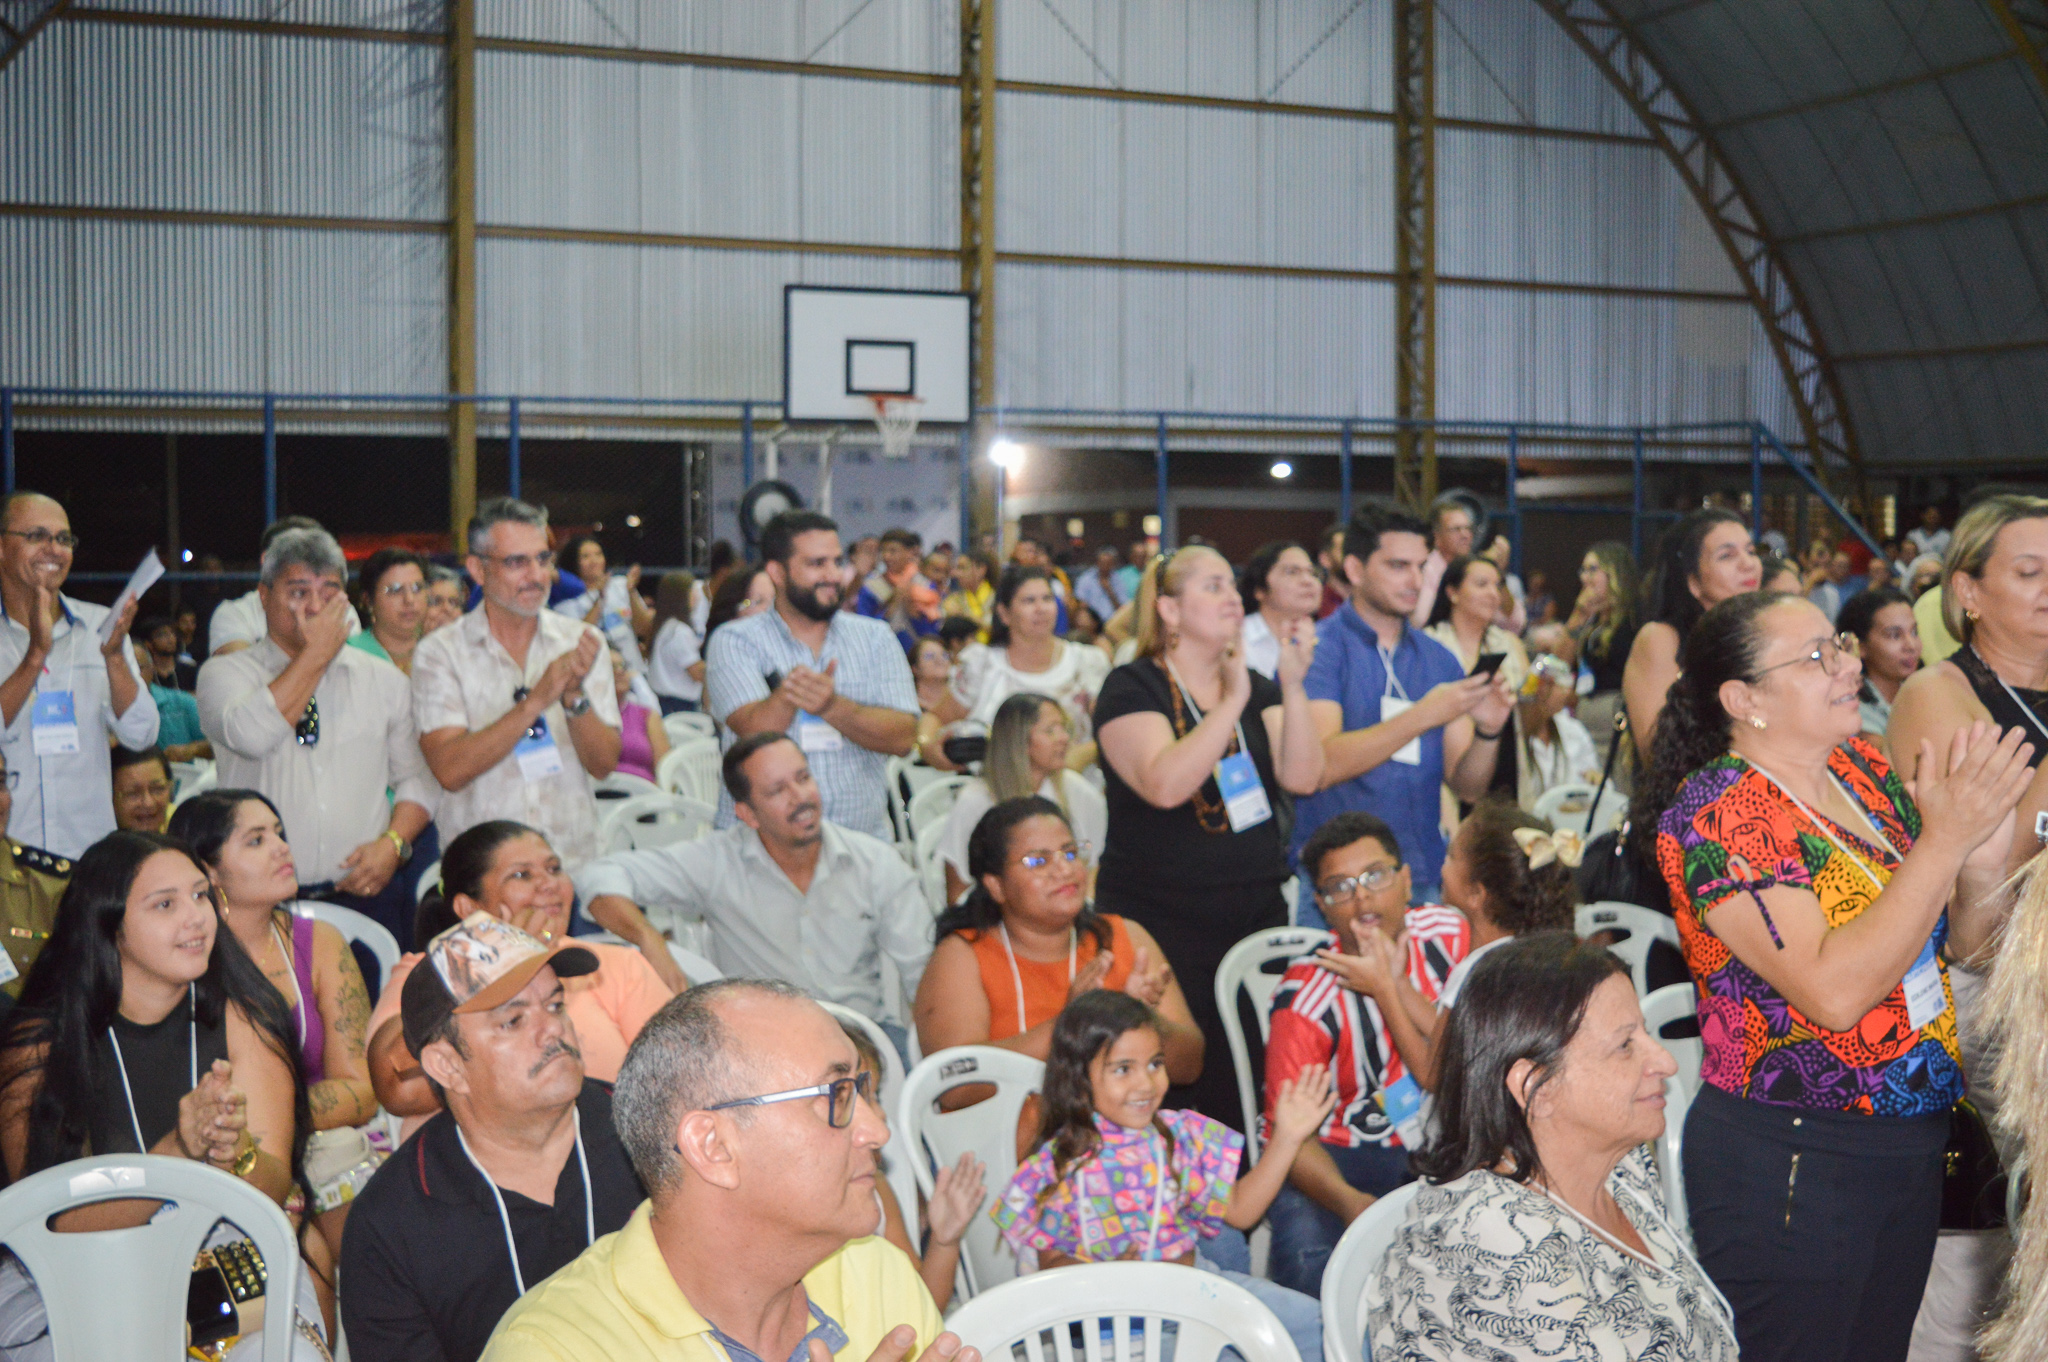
[{"x": 14, "y": 38}]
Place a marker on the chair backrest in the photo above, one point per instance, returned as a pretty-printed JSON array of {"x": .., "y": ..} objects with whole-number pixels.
[
  {"x": 687, "y": 724},
  {"x": 989, "y": 1129},
  {"x": 690, "y": 768},
  {"x": 1121, "y": 1310},
  {"x": 933, "y": 801},
  {"x": 1566, "y": 806},
  {"x": 931, "y": 866},
  {"x": 189, "y": 778},
  {"x": 355, "y": 926},
  {"x": 893, "y": 786},
  {"x": 652, "y": 820},
  {"x": 429, "y": 881},
  {"x": 1352, "y": 1263},
  {"x": 1642, "y": 925},
  {"x": 623, "y": 785},
  {"x": 121, "y": 1293},
  {"x": 897, "y": 1153},
  {"x": 1248, "y": 967},
  {"x": 695, "y": 968},
  {"x": 1670, "y": 1004}
]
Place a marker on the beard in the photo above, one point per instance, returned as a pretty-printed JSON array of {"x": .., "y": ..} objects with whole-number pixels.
[{"x": 806, "y": 600}]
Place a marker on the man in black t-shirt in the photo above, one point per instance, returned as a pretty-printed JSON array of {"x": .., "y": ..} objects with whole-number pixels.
[{"x": 519, "y": 1175}]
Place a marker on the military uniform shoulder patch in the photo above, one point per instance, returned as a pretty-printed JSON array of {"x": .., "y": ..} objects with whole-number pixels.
[{"x": 35, "y": 858}]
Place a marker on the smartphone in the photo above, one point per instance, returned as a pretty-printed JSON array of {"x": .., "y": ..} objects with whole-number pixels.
[{"x": 1488, "y": 664}]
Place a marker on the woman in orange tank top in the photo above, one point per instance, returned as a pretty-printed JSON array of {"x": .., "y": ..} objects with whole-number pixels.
[{"x": 1024, "y": 941}]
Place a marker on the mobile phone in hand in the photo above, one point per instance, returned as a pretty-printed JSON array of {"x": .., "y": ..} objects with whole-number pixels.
[{"x": 1488, "y": 664}]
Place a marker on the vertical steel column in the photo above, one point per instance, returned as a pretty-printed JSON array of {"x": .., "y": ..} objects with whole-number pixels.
[
  {"x": 461, "y": 265},
  {"x": 1756, "y": 483},
  {"x": 1159, "y": 458},
  {"x": 174, "y": 538},
  {"x": 1635, "y": 512},
  {"x": 512, "y": 449},
  {"x": 746, "y": 446},
  {"x": 966, "y": 488},
  {"x": 269, "y": 458},
  {"x": 1344, "y": 469},
  {"x": 7, "y": 438},
  {"x": 1514, "y": 505},
  {"x": 1415, "y": 251},
  {"x": 978, "y": 231}
]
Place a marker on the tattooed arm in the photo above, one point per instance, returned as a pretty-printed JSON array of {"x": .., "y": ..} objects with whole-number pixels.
[{"x": 344, "y": 1096}]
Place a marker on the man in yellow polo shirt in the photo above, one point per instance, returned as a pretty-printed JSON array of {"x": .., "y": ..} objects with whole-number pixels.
[{"x": 742, "y": 1109}]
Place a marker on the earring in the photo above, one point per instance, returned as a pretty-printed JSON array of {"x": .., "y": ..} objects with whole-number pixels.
[
  {"x": 1970, "y": 615},
  {"x": 1172, "y": 639},
  {"x": 1756, "y": 721}
]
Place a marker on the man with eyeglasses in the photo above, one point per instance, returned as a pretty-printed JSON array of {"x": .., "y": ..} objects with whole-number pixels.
[
  {"x": 523, "y": 1173},
  {"x": 240, "y": 623},
  {"x": 516, "y": 709},
  {"x": 834, "y": 680},
  {"x": 789, "y": 895},
  {"x": 744, "y": 1110},
  {"x": 1359, "y": 1009},
  {"x": 65, "y": 692}
]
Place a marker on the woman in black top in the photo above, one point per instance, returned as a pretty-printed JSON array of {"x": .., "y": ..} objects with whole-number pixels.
[{"x": 1197, "y": 864}]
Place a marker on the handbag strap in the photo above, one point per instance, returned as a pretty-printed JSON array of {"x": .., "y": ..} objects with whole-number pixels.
[{"x": 1607, "y": 771}]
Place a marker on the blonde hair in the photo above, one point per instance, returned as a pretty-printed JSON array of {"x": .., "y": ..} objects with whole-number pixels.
[
  {"x": 1007, "y": 768},
  {"x": 1971, "y": 546},
  {"x": 2016, "y": 1015},
  {"x": 1167, "y": 576}
]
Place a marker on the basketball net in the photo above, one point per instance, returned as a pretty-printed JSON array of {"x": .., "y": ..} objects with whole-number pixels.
[{"x": 896, "y": 417}]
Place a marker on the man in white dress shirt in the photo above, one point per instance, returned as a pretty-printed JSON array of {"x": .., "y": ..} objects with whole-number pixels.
[
  {"x": 241, "y": 623},
  {"x": 515, "y": 705},
  {"x": 323, "y": 730},
  {"x": 788, "y": 894},
  {"x": 65, "y": 691}
]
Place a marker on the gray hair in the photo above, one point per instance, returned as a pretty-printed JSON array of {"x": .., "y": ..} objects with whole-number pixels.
[
  {"x": 685, "y": 1059},
  {"x": 1450, "y": 501},
  {"x": 313, "y": 548},
  {"x": 498, "y": 511},
  {"x": 441, "y": 572}
]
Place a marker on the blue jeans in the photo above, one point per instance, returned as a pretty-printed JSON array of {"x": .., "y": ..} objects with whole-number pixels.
[
  {"x": 1301, "y": 1316},
  {"x": 1304, "y": 1232}
]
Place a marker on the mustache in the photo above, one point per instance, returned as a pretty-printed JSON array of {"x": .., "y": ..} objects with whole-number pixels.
[{"x": 555, "y": 1051}]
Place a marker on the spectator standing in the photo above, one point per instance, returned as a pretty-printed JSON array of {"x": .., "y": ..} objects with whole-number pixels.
[
  {"x": 1330, "y": 558},
  {"x": 1098, "y": 588},
  {"x": 495, "y": 696},
  {"x": 1930, "y": 537},
  {"x": 1603, "y": 629},
  {"x": 1279, "y": 585},
  {"x": 178, "y": 734},
  {"x": 1451, "y": 531},
  {"x": 1541, "y": 604},
  {"x": 322, "y": 730},
  {"x": 1195, "y": 749},
  {"x": 1700, "y": 562},
  {"x": 897, "y": 593},
  {"x": 1027, "y": 755},
  {"x": 1888, "y": 645},
  {"x": 66, "y": 693},
  {"x": 1514, "y": 607},
  {"x": 142, "y": 789},
  {"x": 168, "y": 667},
  {"x": 838, "y": 684},
  {"x": 675, "y": 658},
  {"x": 1133, "y": 571},
  {"x": 240, "y": 622},
  {"x": 1397, "y": 715},
  {"x": 186, "y": 619},
  {"x": 610, "y": 604},
  {"x": 973, "y": 591},
  {"x": 32, "y": 882},
  {"x": 1465, "y": 620},
  {"x": 447, "y": 598},
  {"x": 1025, "y": 653},
  {"x": 391, "y": 592},
  {"x": 1922, "y": 575},
  {"x": 1832, "y": 592}
]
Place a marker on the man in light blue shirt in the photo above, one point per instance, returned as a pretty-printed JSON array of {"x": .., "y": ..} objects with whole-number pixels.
[{"x": 1398, "y": 715}]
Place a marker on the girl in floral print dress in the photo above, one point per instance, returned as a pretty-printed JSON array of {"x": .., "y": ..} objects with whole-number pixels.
[{"x": 1115, "y": 1177}]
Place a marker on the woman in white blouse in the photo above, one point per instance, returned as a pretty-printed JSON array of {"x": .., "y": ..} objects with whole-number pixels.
[
  {"x": 1540, "y": 1231},
  {"x": 1023, "y": 653},
  {"x": 1027, "y": 755}
]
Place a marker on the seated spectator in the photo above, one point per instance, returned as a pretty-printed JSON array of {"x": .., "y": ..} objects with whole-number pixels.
[
  {"x": 186, "y": 619},
  {"x": 1025, "y": 942},
  {"x": 956, "y": 632},
  {"x": 391, "y": 593},
  {"x": 1085, "y": 626},
  {"x": 1366, "y": 1009},
  {"x": 239, "y": 623},
  {"x": 1833, "y": 588},
  {"x": 158, "y": 636},
  {"x": 1888, "y": 641},
  {"x": 177, "y": 731},
  {"x": 611, "y": 605},
  {"x": 1551, "y": 1089},
  {"x": 789, "y": 894},
  {"x": 1027, "y": 755},
  {"x": 643, "y": 739},
  {"x": 447, "y": 598},
  {"x": 973, "y": 590},
  {"x": 675, "y": 656},
  {"x": 931, "y": 667},
  {"x": 1780, "y": 574},
  {"x": 1514, "y": 615},
  {"x": 1279, "y": 585},
  {"x": 508, "y": 871},
  {"x": 142, "y": 789},
  {"x": 1510, "y": 874},
  {"x": 1024, "y": 654},
  {"x": 145, "y": 1028},
  {"x": 755, "y": 1138},
  {"x": 524, "y": 1174},
  {"x": 740, "y": 595},
  {"x": 1541, "y": 605},
  {"x": 1551, "y": 746},
  {"x": 32, "y": 882},
  {"x": 240, "y": 843},
  {"x": 1098, "y": 588},
  {"x": 1923, "y": 575}
]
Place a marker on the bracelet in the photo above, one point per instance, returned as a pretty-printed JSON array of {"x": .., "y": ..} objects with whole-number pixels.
[
  {"x": 403, "y": 847},
  {"x": 1483, "y": 736},
  {"x": 245, "y": 1162}
]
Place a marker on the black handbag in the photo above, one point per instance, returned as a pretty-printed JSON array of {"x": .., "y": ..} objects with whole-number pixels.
[{"x": 1973, "y": 1181}]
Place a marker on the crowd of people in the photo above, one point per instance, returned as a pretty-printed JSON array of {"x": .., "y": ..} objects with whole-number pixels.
[{"x": 538, "y": 1137}]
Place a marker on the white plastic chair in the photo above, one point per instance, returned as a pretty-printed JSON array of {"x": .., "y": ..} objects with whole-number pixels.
[
  {"x": 189, "y": 778},
  {"x": 623, "y": 785},
  {"x": 429, "y": 881},
  {"x": 1668, "y": 1004},
  {"x": 689, "y": 724},
  {"x": 652, "y": 820},
  {"x": 931, "y": 866},
  {"x": 696, "y": 968},
  {"x": 897, "y": 1153},
  {"x": 988, "y": 1129},
  {"x": 121, "y": 1293},
  {"x": 355, "y": 926},
  {"x": 934, "y": 801},
  {"x": 1121, "y": 1310},
  {"x": 690, "y": 769},
  {"x": 1565, "y": 806},
  {"x": 1244, "y": 968},
  {"x": 1642, "y": 925},
  {"x": 1351, "y": 1265}
]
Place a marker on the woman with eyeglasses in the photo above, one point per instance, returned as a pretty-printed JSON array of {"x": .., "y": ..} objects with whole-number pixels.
[
  {"x": 391, "y": 592},
  {"x": 1818, "y": 905},
  {"x": 1025, "y": 940}
]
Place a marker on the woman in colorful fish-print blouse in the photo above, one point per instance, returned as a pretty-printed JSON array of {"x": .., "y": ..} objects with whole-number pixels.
[{"x": 1817, "y": 902}]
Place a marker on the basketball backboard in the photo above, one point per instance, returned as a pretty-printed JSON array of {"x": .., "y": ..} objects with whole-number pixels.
[{"x": 843, "y": 347}]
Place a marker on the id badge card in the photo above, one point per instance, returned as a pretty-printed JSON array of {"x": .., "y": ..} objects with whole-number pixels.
[
  {"x": 8, "y": 970},
  {"x": 815, "y": 735},
  {"x": 539, "y": 758},
  {"x": 1401, "y": 1100},
  {"x": 1410, "y": 752},
  {"x": 1925, "y": 998},
  {"x": 1244, "y": 795},
  {"x": 54, "y": 723}
]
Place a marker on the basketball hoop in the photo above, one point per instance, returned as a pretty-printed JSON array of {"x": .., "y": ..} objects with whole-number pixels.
[{"x": 896, "y": 416}]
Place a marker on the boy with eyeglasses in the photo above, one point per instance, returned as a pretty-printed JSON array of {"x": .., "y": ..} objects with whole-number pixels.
[{"x": 1365, "y": 1008}]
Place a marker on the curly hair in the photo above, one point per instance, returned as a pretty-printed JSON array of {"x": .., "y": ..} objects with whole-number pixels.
[
  {"x": 1520, "y": 900},
  {"x": 1668, "y": 594}
]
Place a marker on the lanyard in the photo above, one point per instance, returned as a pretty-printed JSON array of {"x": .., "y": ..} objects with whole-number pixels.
[
  {"x": 291, "y": 967},
  {"x": 192, "y": 1034},
  {"x": 1393, "y": 686},
  {"x": 1087, "y": 1214},
  {"x": 1196, "y": 710},
  {"x": 1018, "y": 979},
  {"x": 2024, "y": 707},
  {"x": 1860, "y": 862},
  {"x": 589, "y": 1211}
]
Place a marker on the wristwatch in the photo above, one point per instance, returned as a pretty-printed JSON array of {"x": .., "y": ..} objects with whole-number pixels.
[
  {"x": 404, "y": 847},
  {"x": 577, "y": 710},
  {"x": 246, "y": 1160}
]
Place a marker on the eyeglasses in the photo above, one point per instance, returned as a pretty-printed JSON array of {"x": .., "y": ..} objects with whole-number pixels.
[
  {"x": 1829, "y": 653},
  {"x": 402, "y": 589},
  {"x": 839, "y": 1114},
  {"x": 42, "y": 539},
  {"x": 520, "y": 562},
  {"x": 538, "y": 729},
  {"x": 1066, "y": 855},
  {"x": 306, "y": 732},
  {"x": 1372, "y": 881}
]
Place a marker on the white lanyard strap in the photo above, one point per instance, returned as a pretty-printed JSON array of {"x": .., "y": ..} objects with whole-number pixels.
[
  {"x": 589, "y": 1207},
  {"x": 1393, "y": 686},
  {"x": 1196, "y": 710},
  {"x": 1017, "y": 979},
  {"x": 1086, "y": 1214},
  {"x": 2024, "y": 707},
  {"x": 192, "y": 1040},
  {"x": 1860, "y": 862}
]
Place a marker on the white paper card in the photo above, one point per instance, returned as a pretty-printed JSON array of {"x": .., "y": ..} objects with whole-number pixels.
[
  {"x": 142, "y": 579},
  {"x": 1410, "y": 752}
]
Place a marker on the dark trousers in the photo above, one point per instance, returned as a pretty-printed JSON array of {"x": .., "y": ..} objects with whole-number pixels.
[
  {"x": 392, "y": 907},
  {"x": 1818, "y": 1226},
  {"x": 1305, "y": 1232}
]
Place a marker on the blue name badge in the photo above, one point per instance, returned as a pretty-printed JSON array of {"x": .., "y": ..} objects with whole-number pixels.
[
  {"x": 538, "y": 756},
  {"x": 1401, "y": 1100},
  {"x": 1925, "y": 998},
  {"x": 1244, "y": 797},
  {"x": 53, "y": 723}
]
